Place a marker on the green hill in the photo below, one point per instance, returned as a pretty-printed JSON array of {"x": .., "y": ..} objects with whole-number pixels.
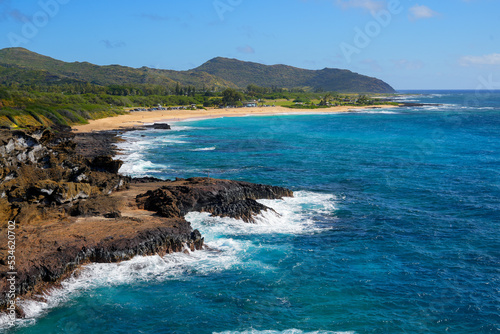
[
  {"x": 26, "y": 67},
  {"x": 23, "y": 59},
  {"x": 245, "y": 73}
]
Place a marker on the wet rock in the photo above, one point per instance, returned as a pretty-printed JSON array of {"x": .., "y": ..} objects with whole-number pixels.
[
  {"x": 71, "y": 209},
  {"x": 105, "y": 163},
  {"x": 57, "y": 258},
  {"x": 235, "y": 199},
  {"x": 159, "y": 126}
]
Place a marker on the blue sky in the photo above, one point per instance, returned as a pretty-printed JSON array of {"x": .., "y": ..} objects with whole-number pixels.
[{"x": 411, "y": 44}]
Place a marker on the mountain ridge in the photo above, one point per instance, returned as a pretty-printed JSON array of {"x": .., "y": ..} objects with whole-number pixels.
[
  {"x": 217, "y": 73},
  {"x": 329, "y": 79}
]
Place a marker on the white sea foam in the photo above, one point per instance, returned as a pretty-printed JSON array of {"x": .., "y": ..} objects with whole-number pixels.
[
  {"x": 176, "y": 128},
  {"x": 140, "y": 167},
  {"x": 291, "y": 215},
  {"x": 170, "y": 140},
  {"x": 407, "y": 98},
  {"x": 135, "y": 164},
  {"x": 375, "y": 111},
  {"x": 139, "y": 269},
  {"x": 441, "y": 107},
  {"x": 479, "y": 108},
  {"x": 132, "y": 145},
  {"x": 288, "y": 331},
  {"x": 133, "y": 150},
  {"x": 204, "y": 149},
  {"x": 135, "y": 143},
  {"x": 225, "y": 251},
  {"x": 437, "y": 95}
]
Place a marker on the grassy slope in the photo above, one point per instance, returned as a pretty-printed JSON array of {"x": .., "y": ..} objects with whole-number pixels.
[
  {"x": 245, "y": 73},
  {"x": 218, "y": 72},
  {"x": 21, "y": 106},
  {"x": 106, "y": 75}
]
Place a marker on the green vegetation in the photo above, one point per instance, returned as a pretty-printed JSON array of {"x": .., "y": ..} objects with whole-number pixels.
[
  {"x": 246, "y": 73},
  {"x": 232, "y": 97},
  {"x": 21, "y": 106},
  {"x": 216, "y": 74},
  {"x": 38, "y": 90},
  {"x": 106, "y": 75}
]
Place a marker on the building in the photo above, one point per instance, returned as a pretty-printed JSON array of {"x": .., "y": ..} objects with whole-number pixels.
[{"x": 249, "y": 104}]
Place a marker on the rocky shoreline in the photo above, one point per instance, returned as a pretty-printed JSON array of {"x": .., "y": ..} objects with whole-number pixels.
[{"x": 71, "y": 207}]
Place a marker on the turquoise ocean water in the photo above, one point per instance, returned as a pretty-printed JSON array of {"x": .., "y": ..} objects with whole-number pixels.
[{"x": 394, "y": 228}]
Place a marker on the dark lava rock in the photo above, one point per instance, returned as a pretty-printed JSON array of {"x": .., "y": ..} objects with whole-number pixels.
[
  {"x": 92, "y": 144},
  {"x": 40, "y": 171},
  {"x": 225, "y": 198},
  {"x": 146, "y": 179},
  {"x": 159, "y": 126},
  {"x": 105, "y": 163}
]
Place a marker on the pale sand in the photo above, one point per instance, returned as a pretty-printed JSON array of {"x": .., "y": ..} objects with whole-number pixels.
[{"x": 138, "y": 118}]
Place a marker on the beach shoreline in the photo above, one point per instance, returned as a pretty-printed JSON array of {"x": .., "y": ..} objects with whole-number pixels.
[{"x": 141, "y": 118}]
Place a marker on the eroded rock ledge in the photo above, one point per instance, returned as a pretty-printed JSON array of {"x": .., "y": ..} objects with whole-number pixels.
[
  {"x": 225, "y": 198},
  {"x": 72, "y": 210}
]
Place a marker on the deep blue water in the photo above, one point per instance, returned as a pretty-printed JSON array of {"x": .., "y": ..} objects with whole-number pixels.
[{"x": 394, "y": 228}]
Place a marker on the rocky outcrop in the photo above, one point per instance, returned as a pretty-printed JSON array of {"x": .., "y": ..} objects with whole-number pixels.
[
  {"x": 225, "y": 198},
  {"x": 106, "y": 164},
  {"x": 70, "y": 210},
  {"x": 39, "y": 169},
  {"x": 92, "y": 144},
  {"x": 45, "y": 259},
  {"x": 159, "y": 126}
]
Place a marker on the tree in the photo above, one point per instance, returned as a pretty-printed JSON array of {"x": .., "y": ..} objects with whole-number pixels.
[
  {"x": 328, "y": 97},
  {"x": 230, "y": 96}
]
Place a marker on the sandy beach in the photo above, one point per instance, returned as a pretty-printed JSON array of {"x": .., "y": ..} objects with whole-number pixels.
[{"x": 138, "y": 118}]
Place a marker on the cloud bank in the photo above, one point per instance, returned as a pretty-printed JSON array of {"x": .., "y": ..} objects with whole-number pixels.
[{"x": 491, "y": 59}]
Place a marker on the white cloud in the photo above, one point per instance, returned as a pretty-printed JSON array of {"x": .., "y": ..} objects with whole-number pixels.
[
  {"x": 418, "y": 12},
  {"x": 245, "y": 49},
  {"x": 369, "y": 5},
  {"x": 491, "y": 59}
]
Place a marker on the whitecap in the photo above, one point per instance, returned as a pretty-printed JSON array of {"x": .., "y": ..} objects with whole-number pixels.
[
  {"x": 204, "y": 149},
  {"x": 224, "y": 251},
  {"x": 377, "y": 111},
  {"x": 177, "y": 128},
  {"x": 170, "y": 139},
  {"x": 139, "y": 167},
  {"x": 139, "y": 269},
  {"x": 291, "y": 215},
  {"x": 288, "y": 331}
]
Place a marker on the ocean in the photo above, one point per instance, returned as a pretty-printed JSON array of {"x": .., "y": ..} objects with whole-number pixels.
[{"x": 394, "y": 228}]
